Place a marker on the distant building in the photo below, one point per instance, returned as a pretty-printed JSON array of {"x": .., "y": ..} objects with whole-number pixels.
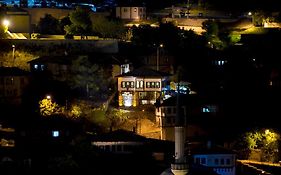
[
  {"x": 13, "y": 82},
  {"x": 131, "y": 13},
  {"x": 57, "y": 66},
  {"x": 19, "y": 20},
  {"x": 140, "y": 87},
  {"x": 221, "y": 160},
  {"x": 127, "y": 142},
  {"x": 193, "y": 108}
]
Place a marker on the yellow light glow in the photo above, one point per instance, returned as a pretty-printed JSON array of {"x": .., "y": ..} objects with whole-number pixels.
[{"x": 6, "y": 22}]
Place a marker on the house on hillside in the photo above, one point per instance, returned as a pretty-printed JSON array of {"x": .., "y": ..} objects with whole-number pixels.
[
  {"x": 220, "y": 160},
  {"x": 140, "y": 87},
  {"x": 13, "y": 82},
  {"x": 131, "y": 12},
  {"x": 57, "y": 66},
  {"x": 195, "y": 111}
]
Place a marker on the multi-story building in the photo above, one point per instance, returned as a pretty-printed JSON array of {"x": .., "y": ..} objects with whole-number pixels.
[
  {"x": 130, "y": 12},
  {"x": 13, "y": 81},
  {"x": 140, "y": 86},
  {"x": 220, "y": 160},
  {"x": 193, "y": 110}
]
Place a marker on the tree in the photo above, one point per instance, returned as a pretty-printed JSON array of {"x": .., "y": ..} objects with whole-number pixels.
[
  {"x": 64, "y": 22},
  {"x": 108, "y": 28},
  {"x": 48, "y": 108},
  {"x": 88, "y": 80},
  {"x": 48, "y": 25},
  {"x": 265, "y": 140},
  {"x": 21, "y": 59},
  {"x": 144, "y": 35},
  {"x": 81, "y": 23},
  {"x": 212, "y": 34},
  {"x": 116, "y": 117}
]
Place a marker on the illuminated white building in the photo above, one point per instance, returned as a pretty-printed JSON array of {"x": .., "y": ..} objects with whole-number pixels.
[
  {"x": 131, "y": 13},
  {"x": 140, "y": 86}
]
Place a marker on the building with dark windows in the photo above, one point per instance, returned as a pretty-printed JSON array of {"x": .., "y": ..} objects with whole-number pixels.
[
  {"x": 13, "y": 82},
  {"x": 195, "y": 110}
]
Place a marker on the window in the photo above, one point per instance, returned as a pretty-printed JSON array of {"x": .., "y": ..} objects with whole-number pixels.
[
  {"x": 139, "y": 84},
  {"x": 222, "y": 161},
  {"x": 125, "y": 10},
  {"x": 205, "y": 109},
  {"x": 169, "y": 110},
  {"x": 216, "y": 161},
  {"x": 140, "y": 9},
  {"x": 197, "y": 160},
  {"x": 9, "y": 81},
  {"x": 21, "y": 80},
  {"x": 36, "y": 66},
  {"x": 135, "y": 9},
  {"x": 153, "y": 84},
  {"x": 147, "y": 84},
  {"x": 209, "y": 108},
  {"x": 15, "y": 92},
  {"x": 119, "y": 148},
  {"x": 227, "y": 161},
  {"x": 203, "y": 160},
  {"x": 127, "y": 84},
  {"x": 55, "y": 133},
  {"x": 157, "y": 85}
]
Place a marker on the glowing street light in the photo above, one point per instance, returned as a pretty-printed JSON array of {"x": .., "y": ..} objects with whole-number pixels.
[
  {"x": 157, "y": 59},
  {"x": 6, "y": 23},
  {"x": 48, "y": 97}
]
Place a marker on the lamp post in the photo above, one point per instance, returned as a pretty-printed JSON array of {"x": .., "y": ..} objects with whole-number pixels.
[
  {"x": 157, "y": 59},
  {"x": 14, "y": 48}
]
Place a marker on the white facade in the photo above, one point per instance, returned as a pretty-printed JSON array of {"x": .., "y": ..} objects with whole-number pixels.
[
  {"x": 136, "y": 90},
  {"x": 131, "y": 13}
]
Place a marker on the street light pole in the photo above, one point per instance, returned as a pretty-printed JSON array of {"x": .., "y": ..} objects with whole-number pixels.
[
  {"x": 14, "y": 48},
  {"x": 157, "y": 57}
]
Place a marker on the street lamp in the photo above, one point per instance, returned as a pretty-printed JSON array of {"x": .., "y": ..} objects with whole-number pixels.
[
  {"x": 14, "y": 48},
  {"x": 48, "y": 97},
  {"x": 157, "y": 59}
]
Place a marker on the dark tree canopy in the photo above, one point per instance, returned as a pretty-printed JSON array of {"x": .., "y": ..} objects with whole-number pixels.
[
  {"x": 48, "y": 25},
  {"x": 81, "y": 23}
]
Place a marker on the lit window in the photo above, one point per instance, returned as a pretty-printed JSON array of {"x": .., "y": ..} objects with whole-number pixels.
[
  {"x": 135, "y": 9},
  {"x": 210, "y": 108},
  {"x": 139, "y": 84},
  {"x": 147, "y": 84},
  {"x": 36, "y": 66},
  {"x": 55, "y": 133},
  {"x": 205, "y": 109},
  {"x": 42, "y": 67}
]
